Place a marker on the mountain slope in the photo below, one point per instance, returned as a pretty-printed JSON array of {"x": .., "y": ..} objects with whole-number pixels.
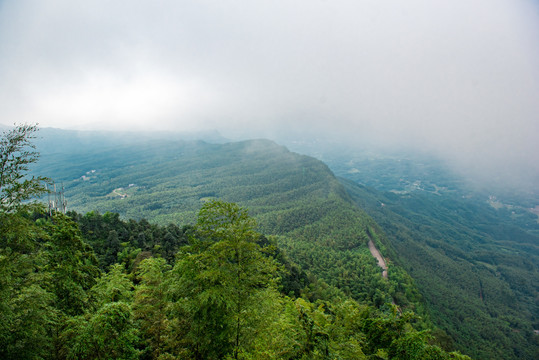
[
  {"x": 455, "y": 252},
  {"x": 471, "y": 247},
  {"x": 294, "y": 197},
  {"x": 478, "y": 273}
]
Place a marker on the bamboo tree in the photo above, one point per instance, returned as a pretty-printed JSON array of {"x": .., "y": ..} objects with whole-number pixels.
[
  {"x": 221, "y": 272},
  {"x": 151, "y": 304}
]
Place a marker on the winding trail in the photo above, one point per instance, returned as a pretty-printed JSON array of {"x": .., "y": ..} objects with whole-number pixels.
[
  {"x": 381, "y": 262},
  {"x": 115, "y": 192}
]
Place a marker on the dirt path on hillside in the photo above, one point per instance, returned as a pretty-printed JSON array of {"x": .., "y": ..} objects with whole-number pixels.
[
  {"x": 381, "y": 262},
  {"x": 115, "y": 192}
]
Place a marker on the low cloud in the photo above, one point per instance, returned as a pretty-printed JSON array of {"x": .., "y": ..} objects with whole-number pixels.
[{"x": 459, "y": 78}]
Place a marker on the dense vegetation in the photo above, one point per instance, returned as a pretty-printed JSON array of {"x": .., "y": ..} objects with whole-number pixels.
[
  {"x": 476, "y": 264},
  {"x": 295, "y": 198},
  {"x": 466, "y": 258},
  {"x": 218, "y": 298},
  {"x": 70, "y": 294}
]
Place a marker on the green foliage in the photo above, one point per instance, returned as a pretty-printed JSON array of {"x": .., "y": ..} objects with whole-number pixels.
[
  {"x": 106, "y": 329},
  {"x": 469, "y": 263},
  {"x": 107, "y": 334},
  {"x": 16, "y": 155},
  {"x": 116, "y": 241},
  {"x": 113, "y": 286},
  {"x": 71, "y": 264},
  {"x": 26, "y": 312},
  {"x": 151, "y": 306},
  {"x": 219, "y": 301},
  {"x": 26, "y": 315},
  {"x": 220, "y": 275}
]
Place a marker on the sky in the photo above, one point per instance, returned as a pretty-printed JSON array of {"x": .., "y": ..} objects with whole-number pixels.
[{"x": 458, "y": 78}]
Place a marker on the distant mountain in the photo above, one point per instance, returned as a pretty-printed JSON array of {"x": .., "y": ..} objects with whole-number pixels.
[{"x": 57, "y": 141}]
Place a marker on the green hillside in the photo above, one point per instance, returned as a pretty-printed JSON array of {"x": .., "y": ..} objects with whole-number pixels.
[
  {"x": 92, "y": 286},
  {"x": 294, "y": 197},
  {"x": 96, "y": 286},
  {"x": 468, "y": 264},
  {"x": 474, "y": 258}
]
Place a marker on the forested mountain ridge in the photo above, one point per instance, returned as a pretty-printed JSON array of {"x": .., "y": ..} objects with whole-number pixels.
[
  {"x": 292, "y": 196},
  {"x": 296, "y": 198},
  {"x": 218, "y": 297}
]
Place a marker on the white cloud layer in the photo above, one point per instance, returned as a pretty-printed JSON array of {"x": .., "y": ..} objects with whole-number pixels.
[{"x": 459, "y": 77}]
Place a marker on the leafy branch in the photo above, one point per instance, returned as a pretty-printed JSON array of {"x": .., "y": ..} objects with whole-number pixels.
[{"x": 17, "y": 152}]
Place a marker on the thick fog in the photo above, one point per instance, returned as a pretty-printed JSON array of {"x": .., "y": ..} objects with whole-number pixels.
[{"x": 458, "y": 78}]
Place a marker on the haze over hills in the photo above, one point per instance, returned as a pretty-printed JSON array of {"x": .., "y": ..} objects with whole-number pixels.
[
  {"x": 412, "y": 126},
  {"x": 422, "y": 75},
  {"x": 317, "y": 222}
]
